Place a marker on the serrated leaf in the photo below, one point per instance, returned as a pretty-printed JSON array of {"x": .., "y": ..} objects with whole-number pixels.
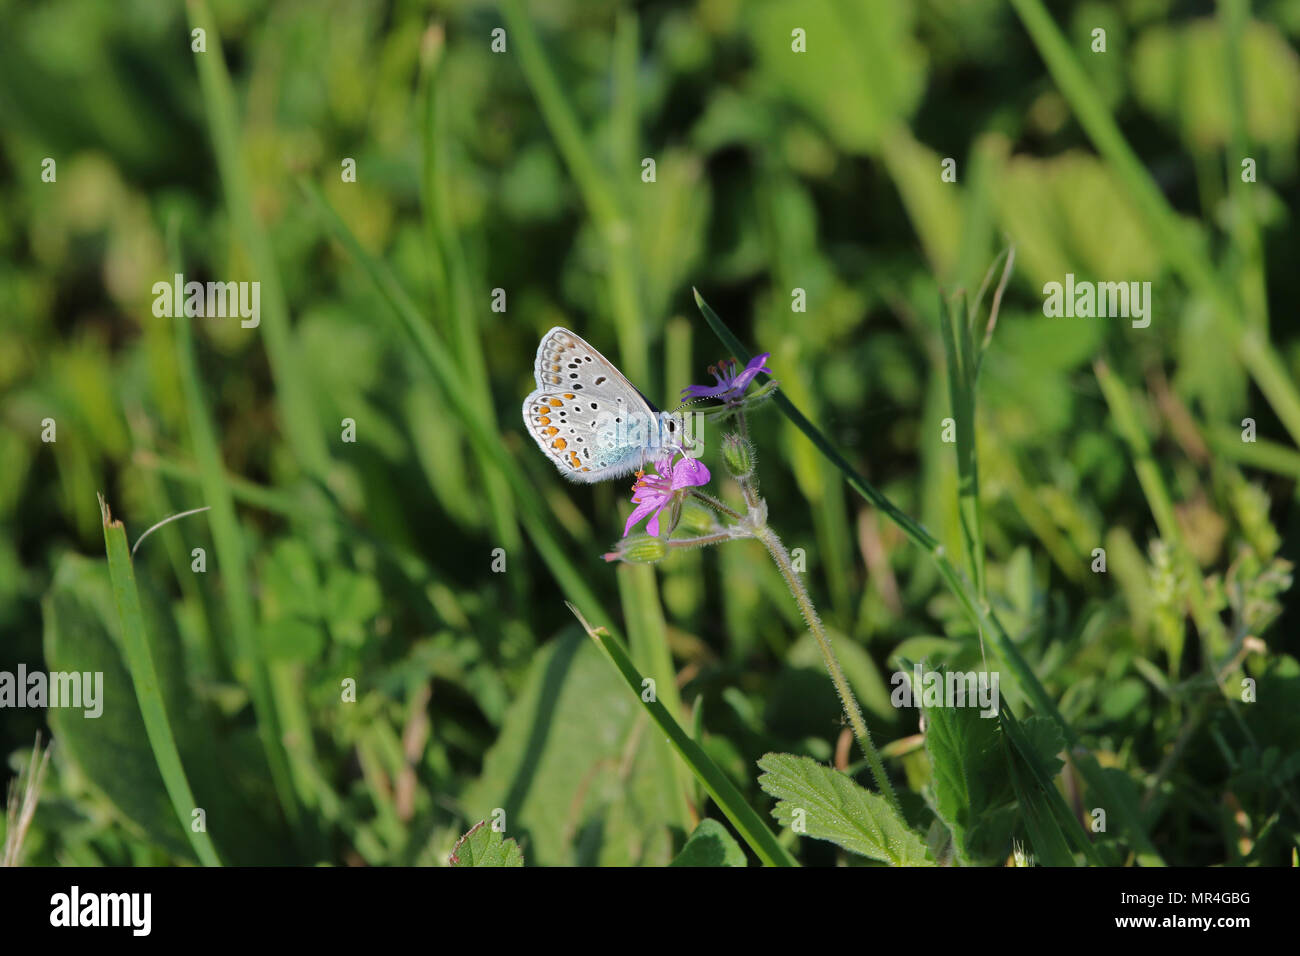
[
  {"x": 710, "y": 845},
  {"x": 1044, "y": 736},
  {"x": 969, "y": 774},
  {"x": 483, "y": 846},
  {"x": 1045, "y": 834},
  {"x": 830, "y": 806},
  {"x": 1031, "y": 764}
]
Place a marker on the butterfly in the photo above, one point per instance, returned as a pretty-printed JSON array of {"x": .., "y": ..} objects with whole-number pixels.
[{"x": 588, "y": 418}]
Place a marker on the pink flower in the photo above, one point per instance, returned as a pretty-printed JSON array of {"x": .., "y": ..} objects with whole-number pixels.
[
  {"x": 731, "y": 385},
  {"x": 654, "y": 492}
]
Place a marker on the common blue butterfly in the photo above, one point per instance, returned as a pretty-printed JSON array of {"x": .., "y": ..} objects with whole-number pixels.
[{"x": 588, "y": 418}]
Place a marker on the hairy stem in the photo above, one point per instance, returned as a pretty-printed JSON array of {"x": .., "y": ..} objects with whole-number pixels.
[
  {"x": 727, "y": 534},
  {"x": 779, "y": 554},
  {"x": 715, "y": 503}
]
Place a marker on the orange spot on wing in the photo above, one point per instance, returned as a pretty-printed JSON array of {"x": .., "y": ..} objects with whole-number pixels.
[
  {"x": 552, "y": 430},
  {"x": 569, "y": 395},
  {"x": 556, "y": 403},
  {"x": 543, "y": 420},
  {"x": 559, "y": 443}
]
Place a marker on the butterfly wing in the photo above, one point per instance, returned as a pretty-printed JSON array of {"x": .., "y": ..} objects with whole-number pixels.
[{"x": 579, "y": 394}]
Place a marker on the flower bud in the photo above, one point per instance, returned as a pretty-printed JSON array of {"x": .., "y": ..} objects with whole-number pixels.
[
  {"x": 638, "y": 549},
  {"x": 697, "y": 518},
  {"x": 738, "y": 456}
]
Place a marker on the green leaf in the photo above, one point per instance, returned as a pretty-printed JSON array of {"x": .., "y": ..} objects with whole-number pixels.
[
  {"x": 1044, "y": 737},
  {"x": 483, "y": 846},
  {"x": 828, "y": 805},
  {"x": 969, "y": 773},
  {"x": 1032, "y": 764},
  {"x": 1045, "y": 834},
  {"x": 710, "y": 845}
]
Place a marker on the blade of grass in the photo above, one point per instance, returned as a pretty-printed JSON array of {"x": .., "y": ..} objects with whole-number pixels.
[
  {"x": 1261, "y": 453},
  {"x": 458, "y": 293},
  {"x": 144, "y": 677},
  {"x": 231, "y": 556},
  {"x": 982, "y": 617},
  {"x": 746, "y": 821},
  {"x": 959, "y": 351},
  {"x": 648, "y": 641},
  {"x": 301, "y": 426},
  {"x": 1189, "y": 257},
  {"x": 598, "y": 192}
]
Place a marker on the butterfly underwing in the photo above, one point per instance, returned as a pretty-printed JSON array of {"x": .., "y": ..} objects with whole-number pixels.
[{"x": 587, "y": 417}]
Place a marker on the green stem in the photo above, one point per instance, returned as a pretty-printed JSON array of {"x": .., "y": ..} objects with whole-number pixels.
[
  {"x": 702, "y": 540},
  {"x": 781, "y": 557},
  {"x": 715, "y": 503}
]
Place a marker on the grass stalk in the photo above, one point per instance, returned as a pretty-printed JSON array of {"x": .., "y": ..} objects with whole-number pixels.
[
  {"x": 301, "y": 426},
  {"x": 148, "y": 692},
  {"x": 648, "y": 641},
  {"x": 460, "y": 301},
  {"x": 229, "y": 543},
  {"x": 595, "y": 185},
  {"x": 742, "y": 816}
]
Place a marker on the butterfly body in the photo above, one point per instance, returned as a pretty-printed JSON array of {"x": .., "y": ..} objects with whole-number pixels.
[{"x": 587, "y": 417}]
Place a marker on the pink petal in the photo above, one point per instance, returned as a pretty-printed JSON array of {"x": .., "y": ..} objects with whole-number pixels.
[
  {"x": 641, "y": 510},
  {"x": 690, "y": 472},
  {"x": 652, "y": 526}
]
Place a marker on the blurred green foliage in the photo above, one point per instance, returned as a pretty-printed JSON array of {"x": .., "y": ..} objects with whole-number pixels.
[{"x": 820, "y": 171}]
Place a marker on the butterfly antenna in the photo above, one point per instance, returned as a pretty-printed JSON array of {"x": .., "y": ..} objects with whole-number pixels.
[{"x": 692, "y": 401}]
